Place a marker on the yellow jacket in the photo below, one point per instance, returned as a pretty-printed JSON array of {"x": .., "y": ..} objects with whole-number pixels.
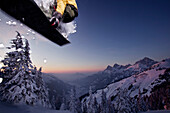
[{"x": 61, "y": 5}]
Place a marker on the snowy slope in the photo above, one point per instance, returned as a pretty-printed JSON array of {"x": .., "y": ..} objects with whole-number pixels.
[
  {"x": 8, "y": 108},
  {"x": 144, "y": 81},
  {"x": 158, "y": 111}
]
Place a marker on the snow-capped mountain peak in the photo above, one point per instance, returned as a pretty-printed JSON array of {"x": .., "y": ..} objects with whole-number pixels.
[
  {"x": 115, "y": 73},
  {"x": 139, "y": 66},
  {"x": 116, "y": 66},
  {"x": 109, "y": 68},
  {"x": 142, "y": 65},
  {"x": 146, "y": 61}
]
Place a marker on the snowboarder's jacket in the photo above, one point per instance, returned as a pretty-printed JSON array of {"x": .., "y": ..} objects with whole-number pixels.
[{"x": 67, "y": 8}]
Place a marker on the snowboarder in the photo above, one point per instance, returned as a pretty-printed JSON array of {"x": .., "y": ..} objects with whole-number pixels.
[{"x": 65, "y": 11}]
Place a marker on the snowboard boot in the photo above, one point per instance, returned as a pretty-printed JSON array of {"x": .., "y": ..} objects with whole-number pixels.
[{"x": 55, "y": 20}]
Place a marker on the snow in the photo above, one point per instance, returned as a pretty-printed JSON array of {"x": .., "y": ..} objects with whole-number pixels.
[
  {"x": 44, "y": 3},
  {"x": 45, "y": 60},
  {"x": 2, "y": 46},
  {"x": 158, "y": 111},
  {"x": 21, "y": 24},
  {"x": 34, "y": 38},
  {"x": 30, "y": 51},
  {"x": 163, "y": 64},
  {"x": 29, "y": 30},
  {"x": 0, "y": 58},
  {"x": 67, "y": 28},
  {"x": 9, "y": 108},
  {"x": 140, "y": 81},
  {"x": 33, "y": 32},
  {"x": 0, "y": 65},
  {"x": 11, "y": 22},
  {"x": 1, "y": 79},
  {"x": 24, "y": 85}
]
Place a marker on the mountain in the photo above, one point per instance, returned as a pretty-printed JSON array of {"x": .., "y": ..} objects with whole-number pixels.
[
  {"x": 57, "y": 89},
  {"x": 153, "y": 83},
  {"x": 67, "y": 77},
  {"x": 142, "y": 64},
  {"x": 112, "y": 74}
]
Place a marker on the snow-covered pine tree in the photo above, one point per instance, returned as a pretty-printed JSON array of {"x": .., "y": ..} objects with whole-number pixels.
[
  {"x": 95, "y": 106},
  {"x": 22, "y": 82},
  {"x": 72, "y": 104},
  {"x": 141, "y": 103},
  {"x": 104, "y": 103},
  {"x": 110, "y": 106},
  {"x": 90, "y": 103},
  {"x": 124, "y": 103},
  {"x": 63, "y": 105},
  {"x": 78, "y": 106},
  {"x": 84, "y": 107},
  {"x": 53, "y": 102}
]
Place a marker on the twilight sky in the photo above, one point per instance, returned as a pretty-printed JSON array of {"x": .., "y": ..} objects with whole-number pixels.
[{"x": 108, "y": 32}]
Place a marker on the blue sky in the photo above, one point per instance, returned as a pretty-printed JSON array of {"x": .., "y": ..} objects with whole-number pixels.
[{"x": 108, "y": 32}]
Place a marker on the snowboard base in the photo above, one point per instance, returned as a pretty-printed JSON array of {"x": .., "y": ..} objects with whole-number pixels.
[{"x": 28, "y": 12}]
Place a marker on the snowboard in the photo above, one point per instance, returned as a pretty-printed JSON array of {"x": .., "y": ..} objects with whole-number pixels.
[{"x": 28, "y": 12}]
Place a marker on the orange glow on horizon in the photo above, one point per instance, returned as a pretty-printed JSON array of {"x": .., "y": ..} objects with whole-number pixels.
[{"x": 71, "y": 70}]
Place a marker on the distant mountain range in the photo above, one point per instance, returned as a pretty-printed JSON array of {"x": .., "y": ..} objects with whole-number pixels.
[
  {"x": 148, "y": 75},
  {"x": 112, "y": 74},
  {"x": 143, "y": 75}
]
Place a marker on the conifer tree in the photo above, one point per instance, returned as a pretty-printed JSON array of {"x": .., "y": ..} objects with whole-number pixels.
[
  {"x": 104, "y": 103},
  {"x": 22, "y": 82},
  {"x": 90, "y": 103},
  {"x": 124, "y": 103},
  {"x": 72, "y": 104},
  {"x": 95, "y": 106}
]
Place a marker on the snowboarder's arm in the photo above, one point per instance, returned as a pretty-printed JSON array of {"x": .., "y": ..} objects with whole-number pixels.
[{"x": 61, "y": 5}]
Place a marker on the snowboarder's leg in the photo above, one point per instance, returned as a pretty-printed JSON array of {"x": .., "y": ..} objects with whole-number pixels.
[
  {"x": 56, "y": 17},
  {"x": 58, "y": 12}
]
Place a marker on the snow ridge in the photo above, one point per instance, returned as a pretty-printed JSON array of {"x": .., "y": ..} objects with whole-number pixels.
[{"x": 143, "y": 82}]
